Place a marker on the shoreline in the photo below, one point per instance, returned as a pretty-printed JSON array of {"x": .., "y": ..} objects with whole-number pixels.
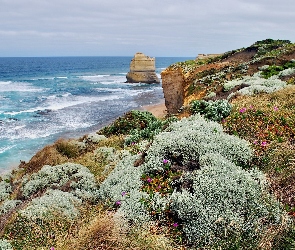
[{"x": 158, "y": 110}]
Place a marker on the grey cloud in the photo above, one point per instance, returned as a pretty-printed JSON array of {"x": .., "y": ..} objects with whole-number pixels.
[{"x": 166, "y": 27}]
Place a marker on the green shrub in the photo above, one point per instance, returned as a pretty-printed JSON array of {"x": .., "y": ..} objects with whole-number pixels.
[
  {"x": 122, "y": 190},
  {"x": 149, "y": 132},
  {"x": 138, "y": 125},
  {"x": 8, "y": 205},
  {"x": 275, "y": 70},
  {"x": 212, "y": 110},
  {"x": 192, "y": 180},
  {"x": 132, "y": 120},
  {"x": 256, "y": 83}
]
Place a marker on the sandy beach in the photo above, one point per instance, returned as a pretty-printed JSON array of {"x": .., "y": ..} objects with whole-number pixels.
[{"x": 158, "y": 110}]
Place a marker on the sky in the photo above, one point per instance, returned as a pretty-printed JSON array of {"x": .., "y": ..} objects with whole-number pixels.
[{"x": 155, "y": 27}]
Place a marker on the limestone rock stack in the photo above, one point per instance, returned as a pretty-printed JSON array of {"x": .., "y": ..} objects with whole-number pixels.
[{"x": 142, "y": 69}]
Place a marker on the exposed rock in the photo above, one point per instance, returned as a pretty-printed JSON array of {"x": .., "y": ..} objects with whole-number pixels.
[
  {"x": 173, "y": 88},
  {"x": 142, "y": 69}
]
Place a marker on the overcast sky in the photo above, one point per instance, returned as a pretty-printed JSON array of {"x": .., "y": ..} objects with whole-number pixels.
[{"x": 154, "y": 27}]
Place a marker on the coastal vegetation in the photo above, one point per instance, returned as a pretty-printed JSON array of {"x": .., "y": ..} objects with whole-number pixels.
[{"x": 217, "y": 175}]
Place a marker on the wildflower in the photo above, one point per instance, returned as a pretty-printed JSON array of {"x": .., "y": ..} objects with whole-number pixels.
[
  {"x": 242, "y": 110},
  {"x": 132, "y": 143},
  {"x": 255, "y": 142},
  {"x": 149, "y": 180},
  {"x": 52, "y": 248},
  {"x": 263, "y": 144},
  {"x": 165, "y": 161},
  {"x": 175, "y": 224},
  {"x": 159, "y": 187},
  {"x": 251, "y": 107},
  {"x": 118, "y": 203},
  {"x": 124, "y": 193},
  {"x": 275, "y": 108}
]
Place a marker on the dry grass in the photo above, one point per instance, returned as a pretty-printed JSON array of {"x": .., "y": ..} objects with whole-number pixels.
[
  {"x": 46, "y": 156},
  {"x": 103, "y": 232}
]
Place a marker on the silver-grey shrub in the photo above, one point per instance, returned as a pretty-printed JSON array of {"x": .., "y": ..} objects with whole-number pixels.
[
  {"x": 79, "y": 179},
  {"x": 94, "y": 138},
  {"x": 227, "y": 202},
  {"x": 53, "y": 202},
  {"x": 5, "y": 190},
  {"x": 123, "y": 186},
  {"x": 256, "y": 84},
  {"x": 192, "y": 137},
  {"x": 8, "y": 205},
  {"x": 5, "y": 245}
]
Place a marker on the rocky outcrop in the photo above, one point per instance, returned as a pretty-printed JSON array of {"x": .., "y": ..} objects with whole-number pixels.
[
  {"x": 142, "y": 69},
  {"x": 173, "y": 84}
]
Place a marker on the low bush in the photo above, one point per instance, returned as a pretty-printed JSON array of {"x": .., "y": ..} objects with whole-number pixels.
[
  {"x": 256, "y": 85},
  {"x": 212, "y": 110},
  {"x": 138, "y": 125},
  {"x": 8, "y": 205},
  {"x": 5, "y": 245},
  {"x": 70, "y": 177},
  {"x": 134, "y": 119},
  {"x": 275, "y": 70},
  {"x": 5, "y": 190}
]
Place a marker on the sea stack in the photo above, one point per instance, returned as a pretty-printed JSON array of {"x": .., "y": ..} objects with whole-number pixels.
[{"x": 142, "y": 69}]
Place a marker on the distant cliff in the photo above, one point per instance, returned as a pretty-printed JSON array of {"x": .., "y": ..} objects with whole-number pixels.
[
  {"x": 142, "y": 69},
  {"x": 195, "y": 79}
]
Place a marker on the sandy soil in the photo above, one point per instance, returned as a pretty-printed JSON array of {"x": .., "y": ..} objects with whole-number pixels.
[{"x": 158, "y": 110}]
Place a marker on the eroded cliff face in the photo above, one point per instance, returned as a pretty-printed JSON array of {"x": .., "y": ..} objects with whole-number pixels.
[
  {"x": 142, "y": 69},
  {"x": 173, "y": 84}
]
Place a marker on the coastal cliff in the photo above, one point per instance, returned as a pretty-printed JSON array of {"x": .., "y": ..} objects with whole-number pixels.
[
  {"x": 142, "y": 69},
  {"x": 204, "y": 77},
  {"x": 222, "y": 177}
]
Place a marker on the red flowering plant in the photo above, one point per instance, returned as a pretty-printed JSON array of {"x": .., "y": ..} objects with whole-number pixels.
[
  {"x": 160, "y": 182},
  {"x": 261, "y": 127},
  {"x": 268, "y": 123}
]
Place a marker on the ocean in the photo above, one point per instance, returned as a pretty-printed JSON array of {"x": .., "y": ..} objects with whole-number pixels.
[{"x": 45, "y": 98}]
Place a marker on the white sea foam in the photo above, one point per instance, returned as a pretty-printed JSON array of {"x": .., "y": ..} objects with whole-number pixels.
[
  {"x": 42, "y": 78},
  {"x": 65, "y": 103},
  {"x": 4, "y": 149},
  {"x": 93, "y": 78},
  {"x": 61, "y": 77},
  {"x": 55, "y": 104},
  {"x": 18, "y": 87},
  {"x": 5, "y": 83}
]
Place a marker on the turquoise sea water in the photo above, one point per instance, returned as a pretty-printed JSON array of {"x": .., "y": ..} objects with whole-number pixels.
[{"x": 43, "y": 99}]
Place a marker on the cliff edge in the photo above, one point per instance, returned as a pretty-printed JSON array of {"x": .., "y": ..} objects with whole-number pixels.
[{"x": 205, "y": 76}]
